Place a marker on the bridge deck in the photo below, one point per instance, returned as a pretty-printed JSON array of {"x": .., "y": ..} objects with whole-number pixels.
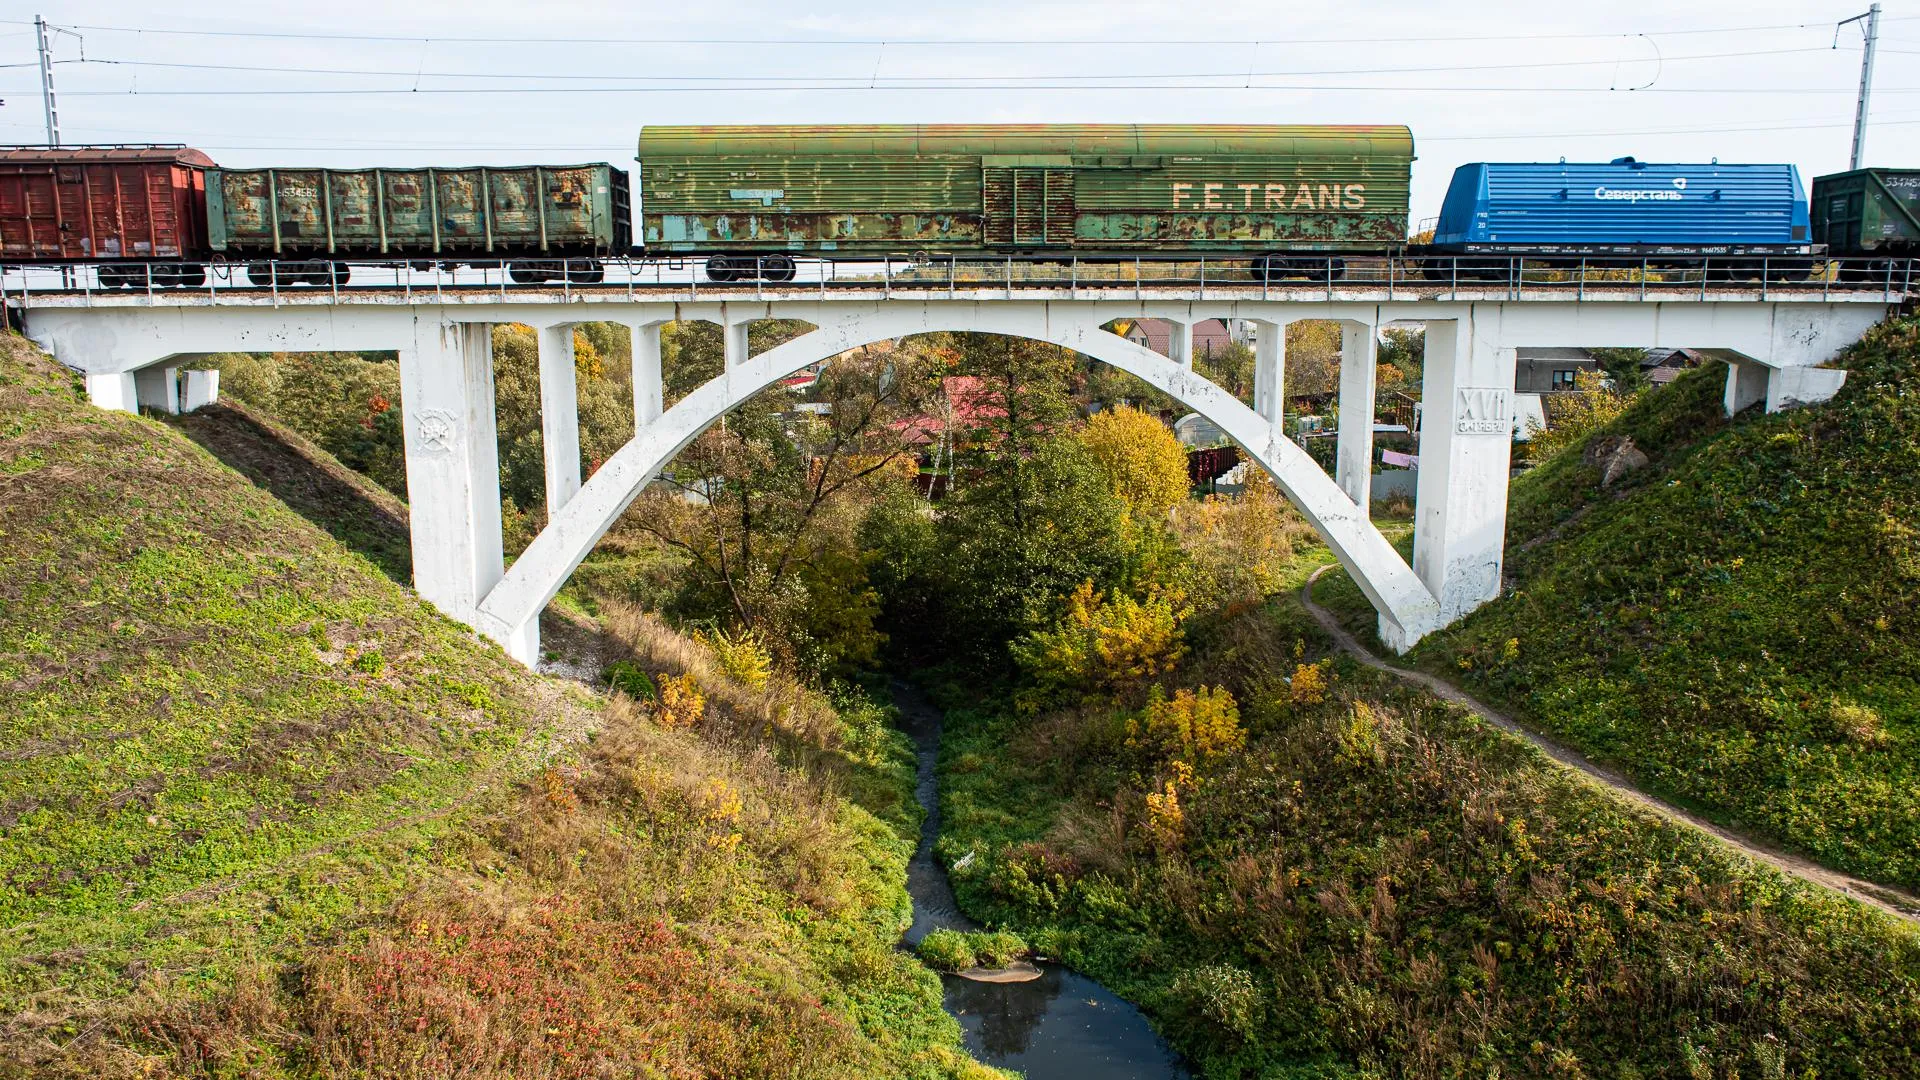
[{"x": 406, "y": 294}]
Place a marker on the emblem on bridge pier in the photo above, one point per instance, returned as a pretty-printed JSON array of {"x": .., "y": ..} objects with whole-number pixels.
[
  {"x": 1483, "y": 410},
  {"x": 437, "y": 428}
]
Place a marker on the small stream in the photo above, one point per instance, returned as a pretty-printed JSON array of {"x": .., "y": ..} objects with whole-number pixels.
[{"x": 1062, "y": 1025}]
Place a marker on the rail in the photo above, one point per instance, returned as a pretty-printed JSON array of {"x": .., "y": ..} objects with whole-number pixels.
[{"x": 924, "y": 275}]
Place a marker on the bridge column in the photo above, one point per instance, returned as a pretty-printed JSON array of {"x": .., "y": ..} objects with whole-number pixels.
[
  {"x": 158, "y": 388},
  {"x": 559, "y": 415},
  {"x": 1179, "y": 342},
  {"x": 734, "y": 340},
  {"x": 453, "y": 468},
  {"x": 1466, "y": 447},
  {"x": 1353, "y": 455},
  {"x": 1270, "y": 371},
  {"x": 113, "y": 390},
  {"x": 647, "y": 385}
]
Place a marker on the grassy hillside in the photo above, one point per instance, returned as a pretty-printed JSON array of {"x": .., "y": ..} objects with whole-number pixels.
[
  {"x": 264, "y": 813},
  {"x": 1735, "y": 627},
  {"x": 1377, "y": 884}
]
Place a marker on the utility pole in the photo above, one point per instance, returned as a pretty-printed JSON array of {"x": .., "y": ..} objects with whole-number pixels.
[
  {"x": 1866, "y": 78},
  {"x": 46, "y": 81}
]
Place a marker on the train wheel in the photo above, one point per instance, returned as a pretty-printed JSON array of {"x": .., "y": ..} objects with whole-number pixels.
[
  {"x": 586, "y": 271},
  {"x": 1784, "y": 271},
  {"x": 190, "y": 276},
  {"x": 260, "y": 275},
  {"x": 778, "y": 268},
  {"x": 527, "y": 273},
  {"x": 720, "y": 268},
  {"x": 112, "y": 277}
]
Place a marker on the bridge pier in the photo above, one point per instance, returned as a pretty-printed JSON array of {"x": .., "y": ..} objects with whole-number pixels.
[
  {"x": 453, "y": 466},
  {"x": 1466, "y": 450},
  {"x": 1353, "y": 446},
  {"x": 559, "y": 414}
]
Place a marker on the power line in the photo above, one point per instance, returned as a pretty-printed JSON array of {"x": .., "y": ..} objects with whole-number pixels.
[
  {"x": 932, "y": 42},
  {"x": 868, "y": 80},
  {"x": 883, "y": 86},
  {"x": 1631, "y": 133}
]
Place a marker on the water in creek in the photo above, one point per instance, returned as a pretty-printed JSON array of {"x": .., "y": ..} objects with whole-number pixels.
[{"x": 1062, "y": 1024}]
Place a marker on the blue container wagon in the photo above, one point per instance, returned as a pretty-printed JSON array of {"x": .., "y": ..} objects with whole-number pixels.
[{"x": 1626, "y": 209}]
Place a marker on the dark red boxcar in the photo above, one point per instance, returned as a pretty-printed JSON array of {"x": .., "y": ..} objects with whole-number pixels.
[{"x": 88, "y": 203}]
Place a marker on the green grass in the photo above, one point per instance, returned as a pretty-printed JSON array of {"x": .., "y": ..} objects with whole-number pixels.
[
  {"x": 1735, "y": 627},
  {"x": 264, "y": 813},
  {"x": 223, "y": 731},
  {"x": 1380, "y": 885}
]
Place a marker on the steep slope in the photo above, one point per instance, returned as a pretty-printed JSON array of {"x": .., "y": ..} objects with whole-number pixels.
[
  {"x": 1735, "y": 627},
  {"x": 346, "y": 505},
  {"x": 262, "y": 812},
  {"x": 1374, "y": 883}
]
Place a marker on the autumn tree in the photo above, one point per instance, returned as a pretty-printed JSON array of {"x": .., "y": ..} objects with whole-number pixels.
[
  {"x": 764, "y": 505},
  {"x": 1144, "y": 463},
  {"x": 605, "y": 393}
]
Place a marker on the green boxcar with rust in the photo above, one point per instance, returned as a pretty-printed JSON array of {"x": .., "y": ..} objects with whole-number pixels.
[
  {"x": 841, "y": 190},
  {"x": 477, "y": 213},
  {"x": 1868, "y": 212}
]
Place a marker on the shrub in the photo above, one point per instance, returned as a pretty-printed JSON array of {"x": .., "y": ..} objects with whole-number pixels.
[
  {"x": 1221, "y": 996},
  {"x": 1360, "y": 737},
  {"x": 681, "y": 702},
  {"x": 1577, "y": 415},
  {"x": 1193, "y": 725},
  {"x": 1166, "y": 821},
  {"x": 1237, "y": 547},
  {"x": 741, "y": 655},
  {"x": 957, "y": 950},
  {"x": 998, "y": 948},
  {"x": 1106, "y": 642},
  {"x": 1857, "y": 724},
  {"x": 1310, "y": 683},
  {"x": 626, "y": 677},
  {"x": 947, "y": 950}
]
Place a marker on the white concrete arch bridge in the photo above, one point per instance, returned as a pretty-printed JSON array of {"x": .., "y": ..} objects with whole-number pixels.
[{"x": 125, "y": 344}]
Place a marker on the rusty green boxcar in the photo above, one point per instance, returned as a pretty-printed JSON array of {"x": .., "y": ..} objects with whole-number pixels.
[
  {"x": 1868, "y": 212},
  {"x": 463, "y": 214},
  {"x": 1044, "y": 188}
]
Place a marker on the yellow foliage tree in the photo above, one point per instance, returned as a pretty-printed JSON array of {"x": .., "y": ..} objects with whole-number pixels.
[
  {"x": 1142, "y": 459},
  {"x": 1311, "y": 682},
  {"x": 588, "y": 364},
  {"x": 1193, "y": 725},
  {"x": 1237, "y": 547},
  {"x": 1106, "y": 641},
  {"x": 742, "y": 656},
  {"x": 681, "y": 702}
]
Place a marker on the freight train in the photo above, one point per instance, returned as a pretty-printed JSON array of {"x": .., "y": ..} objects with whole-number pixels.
[{"x": 1291, "y": 201}]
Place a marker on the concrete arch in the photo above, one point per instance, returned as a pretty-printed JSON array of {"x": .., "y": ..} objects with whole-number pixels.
[{"x": 511, "y": 609}]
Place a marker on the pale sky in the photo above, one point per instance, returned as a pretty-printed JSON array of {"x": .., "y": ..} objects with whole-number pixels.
[{"x": 1758, "y": 80}]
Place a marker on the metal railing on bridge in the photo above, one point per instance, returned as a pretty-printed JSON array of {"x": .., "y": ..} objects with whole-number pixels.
[{"x": 924, "y": 274}]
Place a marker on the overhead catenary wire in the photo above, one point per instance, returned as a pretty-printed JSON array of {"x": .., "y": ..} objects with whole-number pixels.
[
  {"x": 943, "y": 42},
  {"x": 884, "y": 86},
  {"x": 870, "y": 80}
]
